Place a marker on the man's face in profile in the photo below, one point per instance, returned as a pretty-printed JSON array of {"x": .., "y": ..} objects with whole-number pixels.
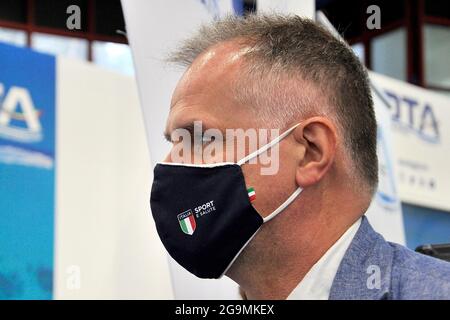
[{"x": 203, "y": 101}]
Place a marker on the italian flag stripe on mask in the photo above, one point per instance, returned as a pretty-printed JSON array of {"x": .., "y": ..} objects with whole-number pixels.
[{"x": 251, "y": 193}]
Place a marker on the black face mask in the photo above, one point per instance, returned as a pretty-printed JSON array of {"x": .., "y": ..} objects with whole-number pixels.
[{"x": 203, "y": 213}]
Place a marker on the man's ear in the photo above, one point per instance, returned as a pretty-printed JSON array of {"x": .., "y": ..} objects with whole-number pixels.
[{"x": 319, "y": 136}]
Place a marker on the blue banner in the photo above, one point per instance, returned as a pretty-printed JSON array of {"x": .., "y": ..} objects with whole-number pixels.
[{"x": 27, "y": 173}]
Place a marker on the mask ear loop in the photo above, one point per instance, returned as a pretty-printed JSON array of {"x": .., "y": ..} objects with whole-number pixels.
[
  {"x": 256, "y": 153},
  {"x": 267, "y": 146},
  {"x": 284, "y": 205}
]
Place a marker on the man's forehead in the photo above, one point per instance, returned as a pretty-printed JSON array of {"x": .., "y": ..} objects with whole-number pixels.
[{"x": 213, "y": 71}]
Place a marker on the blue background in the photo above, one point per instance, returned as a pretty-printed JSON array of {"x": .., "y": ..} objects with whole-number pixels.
[
  {"x": 425, "y": 225},
  {"x": 26, "y": 192}
]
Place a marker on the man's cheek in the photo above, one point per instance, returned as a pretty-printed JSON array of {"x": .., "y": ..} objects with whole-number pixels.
[{"x": 270, "y": 161}]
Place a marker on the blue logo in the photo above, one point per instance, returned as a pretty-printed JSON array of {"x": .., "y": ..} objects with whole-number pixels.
[
  {"x": 17, "y": 105},
  {"x": 27, "y": 108},
  {"x": 410, "y": 115}
]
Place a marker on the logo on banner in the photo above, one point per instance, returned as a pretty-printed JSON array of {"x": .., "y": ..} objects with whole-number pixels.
[
  {"x": 19, "y": 118},
  {"x": 410, "y": 115}
]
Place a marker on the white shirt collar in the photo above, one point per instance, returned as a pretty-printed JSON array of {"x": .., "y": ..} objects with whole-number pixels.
[{"x": 316, "y": 284}]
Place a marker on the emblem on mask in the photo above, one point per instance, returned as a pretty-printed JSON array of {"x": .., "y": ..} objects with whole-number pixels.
[{"x": 187, "y": 222}]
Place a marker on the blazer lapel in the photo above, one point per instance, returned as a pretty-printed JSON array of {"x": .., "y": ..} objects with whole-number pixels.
[{"x": 365, "y": 270}]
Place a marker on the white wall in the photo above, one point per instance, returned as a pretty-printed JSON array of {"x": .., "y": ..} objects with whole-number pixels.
[{"x": 103, "y": 221}]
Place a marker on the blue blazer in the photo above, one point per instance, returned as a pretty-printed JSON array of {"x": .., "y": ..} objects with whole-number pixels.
[{"x": 373, "y": 268}]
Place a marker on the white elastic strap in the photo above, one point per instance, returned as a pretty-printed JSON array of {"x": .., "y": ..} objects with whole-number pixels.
[
  {"x": 267, "y": 146},
  {"x": 283, "y": 205}
]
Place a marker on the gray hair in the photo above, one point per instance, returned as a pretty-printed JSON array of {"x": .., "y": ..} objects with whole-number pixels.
[{"x": 295, "y": 69}]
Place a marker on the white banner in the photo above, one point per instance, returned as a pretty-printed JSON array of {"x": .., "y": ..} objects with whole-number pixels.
[
  {"x": 385, "y": 212},
  {"x": 106, "y": 242},
  {"x": 421, "y": 137}
]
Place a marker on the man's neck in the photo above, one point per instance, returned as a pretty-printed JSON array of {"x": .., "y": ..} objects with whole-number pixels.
[{"x": 272, "y": 271}]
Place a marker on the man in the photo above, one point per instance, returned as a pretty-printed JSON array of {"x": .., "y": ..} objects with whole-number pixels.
[{"x": 286, "y": 72}]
